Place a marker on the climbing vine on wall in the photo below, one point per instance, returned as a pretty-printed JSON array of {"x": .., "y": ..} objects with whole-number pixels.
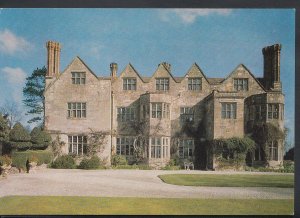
[
  {"x": 232, "y": 150},
  {"x": 265, "y": 133}
]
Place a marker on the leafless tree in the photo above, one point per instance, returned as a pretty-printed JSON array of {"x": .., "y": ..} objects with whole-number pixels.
[
  {"x": 12, "y": 111},
  {"x": 96, "y": 142},
  {"x": 142, "y": 133}
]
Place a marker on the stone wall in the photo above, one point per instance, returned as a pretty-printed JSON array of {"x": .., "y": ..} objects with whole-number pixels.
[{"x": 95, "y": 92}]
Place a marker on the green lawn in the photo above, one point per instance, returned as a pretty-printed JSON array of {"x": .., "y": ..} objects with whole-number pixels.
[
  {"x": 46, "y": 205},
  {"x": 283, "y": 181}
]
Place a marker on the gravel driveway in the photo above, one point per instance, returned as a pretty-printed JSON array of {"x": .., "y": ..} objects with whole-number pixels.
[{"x": 125, "y": 183}]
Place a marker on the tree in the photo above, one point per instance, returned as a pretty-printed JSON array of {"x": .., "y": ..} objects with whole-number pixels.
[
  {"x": 290, "y": 154},
  {"x": 96, "y": 142},
  {"x": 39, "y": 138},
  {"x": 4, "y": 134},
  {"x": 142, "y": 134},
  {"x": 34, "y": 95},
  {"x": 12, "y": 112},
  {"x": 19, "y": 138}
]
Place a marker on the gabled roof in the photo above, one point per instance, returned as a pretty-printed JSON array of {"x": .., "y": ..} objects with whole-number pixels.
[
  {"x": 83, "y": 64},
  {"x": 134, "y": 70},
  {"x": 200, "y": 70},
  {"x": 146, "y": 79},
  {"x": 243, "y": 66},
  {"x": 215, "y": 81},
  {"x": 166, "y": 70},
  {"x": 69, "y": 65}
]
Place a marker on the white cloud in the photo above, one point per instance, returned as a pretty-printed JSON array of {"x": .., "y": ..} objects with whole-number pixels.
[
  {"x": 14, "y": 75},
  {"x": 95, "y": 51},
  {"x": 11, "y": 44},
  {"x": 16, "y": 78},
  {"x": 189, "y": 16}
]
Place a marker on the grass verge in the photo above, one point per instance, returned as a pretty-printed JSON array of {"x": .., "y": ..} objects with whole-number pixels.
[
  {"x": 281, "y": 181},
  {"x": 70, "y": 205}
]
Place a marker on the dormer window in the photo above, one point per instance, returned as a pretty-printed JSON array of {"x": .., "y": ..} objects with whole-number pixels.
[
  {"x": 78, "y": 78},
  {"x": 129, "y": 83},
  {"x": 162, "y": 84},
  {"x": 240, "y": 84},
  {"x": 194, "y": 84}
]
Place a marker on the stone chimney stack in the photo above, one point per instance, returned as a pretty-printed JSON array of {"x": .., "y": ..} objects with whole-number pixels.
[
  {"x": 53, "y": 58},
  {"x": 113, "y": 69},
  {"x": 272, "y": 66}
]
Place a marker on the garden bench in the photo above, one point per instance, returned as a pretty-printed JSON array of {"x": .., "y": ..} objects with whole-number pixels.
[{"x": 188, "y": 165}]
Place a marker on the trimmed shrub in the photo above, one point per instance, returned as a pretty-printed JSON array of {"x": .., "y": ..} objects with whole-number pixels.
[
  {"x": 117, "y": 160},
  {"x": 288, "y": 166},
  {"x": 64, "y": 162},
  {"x": 92, "y": 163},
  {"x": 40, "y": 139},
  {"x": 19, "y": 138},
  {"x": 19, "y": 158}
]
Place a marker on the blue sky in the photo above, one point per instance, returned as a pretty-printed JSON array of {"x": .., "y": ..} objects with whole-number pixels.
[{"x": 217, "y": 40}]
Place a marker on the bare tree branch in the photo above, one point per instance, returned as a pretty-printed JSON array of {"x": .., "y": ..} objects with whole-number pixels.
[{"x": 12, "y": 111}]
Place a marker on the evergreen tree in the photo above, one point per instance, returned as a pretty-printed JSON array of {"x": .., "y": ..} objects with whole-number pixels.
[
  {"x": 33, "y": 94},
  {"x": 4, "y": 133},
  {"x": 39, "y": 138},
  {"x": 19, "y": 138},
  {"x": 4, "y": 129}
]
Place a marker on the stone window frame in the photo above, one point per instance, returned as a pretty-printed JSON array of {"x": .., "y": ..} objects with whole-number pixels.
[
  {"x": 186, "y": 148},
  {"x": 160, "y": 110},
  {"x": 273, "y": 151},
  {"x": 126, "y": 114},
  {"x": 78, "y": 78},
  {"x": 77, "y": 110},
  {"x": 159, "y": 147},
  {"x": 75, "y": 142},
  {"x": 124, "y": 145},
  {"x": 162, "y": 84},
  {"x": 258, "y": 154},
  {"x": 186, "y": 114},
  {"x": 241, "y": 84},
  {"x": 129, "y": 83},
  {"x": 273, "y": 111},
  {"x": 195, "y": 83},
  {"x": 228, "y": 110},
  {"x": 260, "y": 112}
]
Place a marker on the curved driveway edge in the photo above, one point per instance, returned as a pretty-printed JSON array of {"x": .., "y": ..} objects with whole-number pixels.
[{"x": 127, "y": 183}]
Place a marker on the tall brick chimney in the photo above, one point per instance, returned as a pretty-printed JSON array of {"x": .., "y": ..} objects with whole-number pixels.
[
  {"x": 272, "y": 66},
  {"x": 113, "y": 69},
  {"x": 53, "y": 58}
]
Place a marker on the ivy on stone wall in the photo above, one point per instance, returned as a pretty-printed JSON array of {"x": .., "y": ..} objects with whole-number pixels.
[
  {"x": 232, "y": 151},
  {"x": 264, "y": 133}
]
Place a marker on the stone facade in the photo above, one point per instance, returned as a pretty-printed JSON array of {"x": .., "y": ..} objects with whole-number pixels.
[{"x": 160, "y": 105}]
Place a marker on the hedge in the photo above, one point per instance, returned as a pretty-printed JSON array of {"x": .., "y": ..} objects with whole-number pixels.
[
  {"x": 64, "y": 162},
  {"x": 92, "y": 163},
  {"x": 19, "y": 137},
  {"x": 19, "y": 158},
  {"x": 40, "y": 139},
  {"x": 117, "y": 160}
]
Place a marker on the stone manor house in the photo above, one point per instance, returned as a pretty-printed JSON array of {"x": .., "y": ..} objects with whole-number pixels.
[{"x": 130, "y": 106}]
